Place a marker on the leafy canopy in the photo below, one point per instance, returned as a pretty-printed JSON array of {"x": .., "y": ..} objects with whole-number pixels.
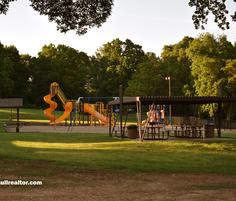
[
  {"x": 76, "y": 15},
  {"x": 80, "y": 15},
  {"x": 216, "y": 7}
]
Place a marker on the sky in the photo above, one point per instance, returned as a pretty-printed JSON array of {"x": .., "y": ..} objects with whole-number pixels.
[{"x": 149, "y": 23}]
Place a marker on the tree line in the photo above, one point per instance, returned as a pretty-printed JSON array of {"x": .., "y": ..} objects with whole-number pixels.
[{"x": 202, "y": 66}]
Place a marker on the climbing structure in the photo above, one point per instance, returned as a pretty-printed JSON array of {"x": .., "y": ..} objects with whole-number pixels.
[
  {"x": 71, "y": 107},
  {"x": 55, "y": 90}
]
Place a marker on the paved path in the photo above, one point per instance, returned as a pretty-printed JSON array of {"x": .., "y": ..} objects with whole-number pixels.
[{"x": 58, "y": 129}]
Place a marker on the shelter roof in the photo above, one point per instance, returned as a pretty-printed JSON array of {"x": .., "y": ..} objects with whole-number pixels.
[
  {"x": 185, "y": 100},
  {"x": 11, "y": 102}
]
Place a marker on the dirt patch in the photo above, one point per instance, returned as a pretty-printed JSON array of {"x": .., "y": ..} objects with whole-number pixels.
[{"x": 60, "y": 183}]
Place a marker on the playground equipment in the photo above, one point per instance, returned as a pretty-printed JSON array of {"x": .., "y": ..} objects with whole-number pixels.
[
  {"x": 71, "y": 107},
  {"x": 155, "y": 122},
  {"x": 55, "y": 90},
  {"x": 89, "y": 109}
]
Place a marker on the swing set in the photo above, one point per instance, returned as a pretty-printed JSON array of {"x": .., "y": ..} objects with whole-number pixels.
[{"x": 154, "y": 125}]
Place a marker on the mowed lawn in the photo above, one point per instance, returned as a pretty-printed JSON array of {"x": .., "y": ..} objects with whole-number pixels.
[
  {"x": 26, "y": 114},
  {"x": 101, "y": 152}
]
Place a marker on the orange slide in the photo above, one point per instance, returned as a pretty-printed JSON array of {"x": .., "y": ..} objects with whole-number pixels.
[
  {"x": 48, "y": 111},
  {"x": 53, "y": 105},
  {"x": 89, "y": 109},
  {"x": 68, "y": 108}
]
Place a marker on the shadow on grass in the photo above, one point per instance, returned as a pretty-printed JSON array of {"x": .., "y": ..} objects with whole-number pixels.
[{"x": 100, "y": 152}]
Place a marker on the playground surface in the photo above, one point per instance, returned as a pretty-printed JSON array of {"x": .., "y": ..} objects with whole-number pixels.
[
  {"x": 37, "y": 128},
  {"x": 58, "y": 129}
]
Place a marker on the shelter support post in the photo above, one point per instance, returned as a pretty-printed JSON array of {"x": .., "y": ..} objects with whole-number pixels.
[
  {"x": 139, "y": 117},
  {"x": 17, "y": 119},
  {"x": 121, "y": 110},
  {"x": 219, "y": 114},
  {"x": 110, "y": 113}
]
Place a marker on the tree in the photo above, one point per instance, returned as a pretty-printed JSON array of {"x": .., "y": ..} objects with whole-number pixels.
[
  {"x": 80, "y": 15},
  {"x": 176, "y": 64},
  {"x": 19, "y": 74},
  {"x": 61, "y": 64},
  {"x": 216, "y": 7},
  {"x": 6, "y": 70},
  {"x": 209, "y": 56},
  {"x": 230, "y": 70},
  {"x": 100, "y": 82},
  {"x": 76, "y": 15},
  {"x": 120, "y": 60},
  {"x": 27, "y": 61},
  {"x": 148, "y": 79}
]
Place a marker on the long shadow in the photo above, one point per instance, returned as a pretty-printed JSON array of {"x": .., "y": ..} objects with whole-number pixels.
[{"x": 116, "y": 156}]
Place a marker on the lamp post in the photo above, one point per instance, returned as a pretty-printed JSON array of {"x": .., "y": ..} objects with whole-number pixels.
[{"x": 169, "y": 81}]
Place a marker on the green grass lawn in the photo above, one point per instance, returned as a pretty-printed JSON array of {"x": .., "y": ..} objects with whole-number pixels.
[
  {"x": 100, "y": 152},
  {"x": 25, "y": 114}
]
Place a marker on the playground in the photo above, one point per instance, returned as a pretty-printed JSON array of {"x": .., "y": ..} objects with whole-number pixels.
[
  {"x": 143, "y": 118},
  {"x": 88, "y": 154},
  {"x": 149, "y": 117}
]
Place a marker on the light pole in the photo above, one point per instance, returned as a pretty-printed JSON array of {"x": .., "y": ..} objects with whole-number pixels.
[{"x": 169, "y": 81}]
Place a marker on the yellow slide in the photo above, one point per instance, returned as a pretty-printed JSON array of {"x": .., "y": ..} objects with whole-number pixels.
[
  {"x": 89, "y": 109},
  {"x": 68, "y": 108},
  {"x": 48, "y": 111}
]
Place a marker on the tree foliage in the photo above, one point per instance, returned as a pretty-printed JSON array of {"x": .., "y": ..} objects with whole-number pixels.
[
  {"x": 148, "y": 79},
  {"x": 209, "y": 56},
  {"x": 61, "y": 64},
  {"x": 6, "y": 70},
  {"x": 204, "y": 66},
  {"x": 76, "y": 15},
  {"x": 176, "y": 64},
  {"x": 80, "y": 15},
  {"x": 215, "y": 7},
  {"x": 120, "y": 60}
]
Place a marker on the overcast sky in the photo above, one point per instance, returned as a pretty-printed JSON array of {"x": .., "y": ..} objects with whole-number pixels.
[{"x": 149, "y": 23}]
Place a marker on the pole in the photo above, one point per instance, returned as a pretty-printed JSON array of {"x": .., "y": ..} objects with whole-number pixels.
[
  {"x": 109, "y": 113},
  {"x": 169, "y": 84},
  {"x": 170, "y": 104},
  {"x": 17, "y": 120},
  {"x": 121, "y": 108},
  {"x": 219, "y": 119}
]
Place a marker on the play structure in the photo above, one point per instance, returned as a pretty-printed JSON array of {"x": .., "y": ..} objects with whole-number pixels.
[
  {"x": 152, "y": 125},
  {"x": 189, "y": 129},
  {"x": 155, "y": 122},
  {"x": 74, "y": 110}
]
